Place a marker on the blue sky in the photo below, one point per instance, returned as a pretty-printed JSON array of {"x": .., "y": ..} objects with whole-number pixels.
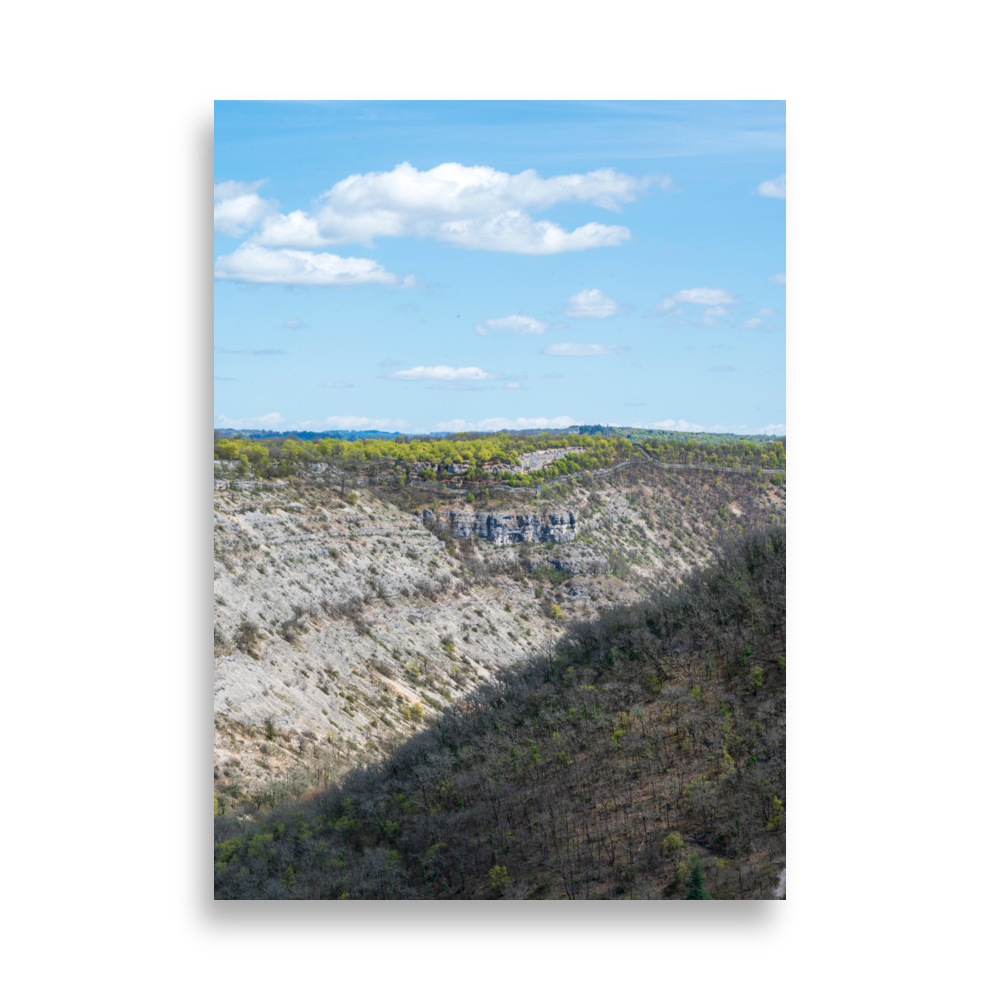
[{"x": 420, "y": 266}]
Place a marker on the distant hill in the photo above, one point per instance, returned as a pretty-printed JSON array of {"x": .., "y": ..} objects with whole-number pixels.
[
  {"x": 593, "y": 430},
  {"x": 313, "y": 435}
]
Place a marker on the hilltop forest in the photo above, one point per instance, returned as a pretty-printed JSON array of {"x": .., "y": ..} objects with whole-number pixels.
[{"x": 498, "y": 458}]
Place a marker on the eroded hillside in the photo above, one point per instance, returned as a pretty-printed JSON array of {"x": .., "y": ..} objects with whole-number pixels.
[{"x": 345, "y": 621}]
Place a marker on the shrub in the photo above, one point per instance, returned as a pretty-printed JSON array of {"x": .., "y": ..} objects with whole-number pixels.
[
  {"x": 557, "y": 612},
  {"x": 246, "y": 638},
  {"x": 672, "y": 843},
  {"x": 499, "y": 879}
]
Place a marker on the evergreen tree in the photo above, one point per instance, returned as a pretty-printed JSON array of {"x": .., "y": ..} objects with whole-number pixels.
[{"x": 696, "y": 882}]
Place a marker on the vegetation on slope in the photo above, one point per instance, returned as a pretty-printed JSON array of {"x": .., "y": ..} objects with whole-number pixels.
[
  {"x": 494, "y": 457},
  {"x": 644, "y": 758}
]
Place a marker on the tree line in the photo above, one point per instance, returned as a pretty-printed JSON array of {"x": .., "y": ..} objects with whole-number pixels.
[{"x": 493, "y": 458}]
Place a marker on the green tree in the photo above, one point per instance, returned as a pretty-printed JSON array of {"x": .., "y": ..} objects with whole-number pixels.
[
  {"x": 499, "y": 879},
  {"x": 696, "y": 882}
]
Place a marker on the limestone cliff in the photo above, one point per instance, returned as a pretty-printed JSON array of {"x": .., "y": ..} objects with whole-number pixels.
[{"x": 507, "y": 529}]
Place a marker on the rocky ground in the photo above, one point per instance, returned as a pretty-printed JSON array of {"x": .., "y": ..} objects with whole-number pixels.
[{"x": 345, "y": 622}]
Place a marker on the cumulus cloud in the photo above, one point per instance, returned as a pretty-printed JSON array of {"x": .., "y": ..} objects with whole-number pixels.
[
  {"x": 252, "y": 264},
  {"x": 443, "y": 373},
  {"x": 473, "y": 207},
  {"x": 390, "y": 363},
  {"x": 338, "y": 385},
  {"x": 777, "y": 429},
  {"x": 239, "y": 208},
  {"x": 263, "y": 423},
  {"x": 517, "y": 323},
  {"x": 505, "y": 423},
  {"x": 773, "y": 189},
  {"x": 777, "y": 279},
  {"x": 704, "y": 297},
  {"x": 294, "y": 324},
  {"x": 591, "y": 303},
  {"x": 581, "y": 350},
  {"x": 717, "y": 311},
  {"x": 351, "y": 424},
  {"x": 515, "y": 385},
  {"x": 766, "y": 312},
  {"x": 722, "y": 368},
  {"x": 675, "y": 425},
  {"x": 752, "y": 324}
]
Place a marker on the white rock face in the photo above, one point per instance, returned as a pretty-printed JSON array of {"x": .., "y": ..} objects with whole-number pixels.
[{"x": 507, "y": 529}]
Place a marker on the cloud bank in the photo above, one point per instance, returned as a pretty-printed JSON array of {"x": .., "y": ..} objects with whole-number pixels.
[
  {"x": 252, "y": 264},
  {"x": 505, "y": 423},
  {"x": 264, "y": 423},
  {"x": 471, "y": 207},
  {"x": 352, "y": 424}
]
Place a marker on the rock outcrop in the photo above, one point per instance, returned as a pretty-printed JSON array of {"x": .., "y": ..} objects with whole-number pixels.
[{"x": 507, "y": 529}]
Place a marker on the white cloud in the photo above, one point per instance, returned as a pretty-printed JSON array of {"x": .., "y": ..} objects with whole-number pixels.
[
  {"x": 766, "y": 312},
  {"x": 591, "y": 303},
  {"x": 757, "y": 324},
  {"x": 238, "y": 207},
  {"x": 675, "y": 425},
  {"x": 294, "y": 324},
  {"x": 773, "y": 189},
  {"x": 505, "y": 423},
  {"x": 517, "y": 323},
  {"x": 474, "y": 207},
  {"x": 266, "y": 422},
  {"x": 705, "y": 297},
  {"x": 581, "y": 350},
  {"x": 777, "y": 429},
  {"x": 777, "y": 279},
  {"x": 515, "y": 385},
  {"x": 516, "y": 232},
  {"x": 297, "y": 229},
  {"x": 443, "y": 373},
  {"x": 716, "y": 311},
  {"x": 351, "y": 424},
  {"x": 252, "y": 264},
  {"x": 666, "y": 305}
]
